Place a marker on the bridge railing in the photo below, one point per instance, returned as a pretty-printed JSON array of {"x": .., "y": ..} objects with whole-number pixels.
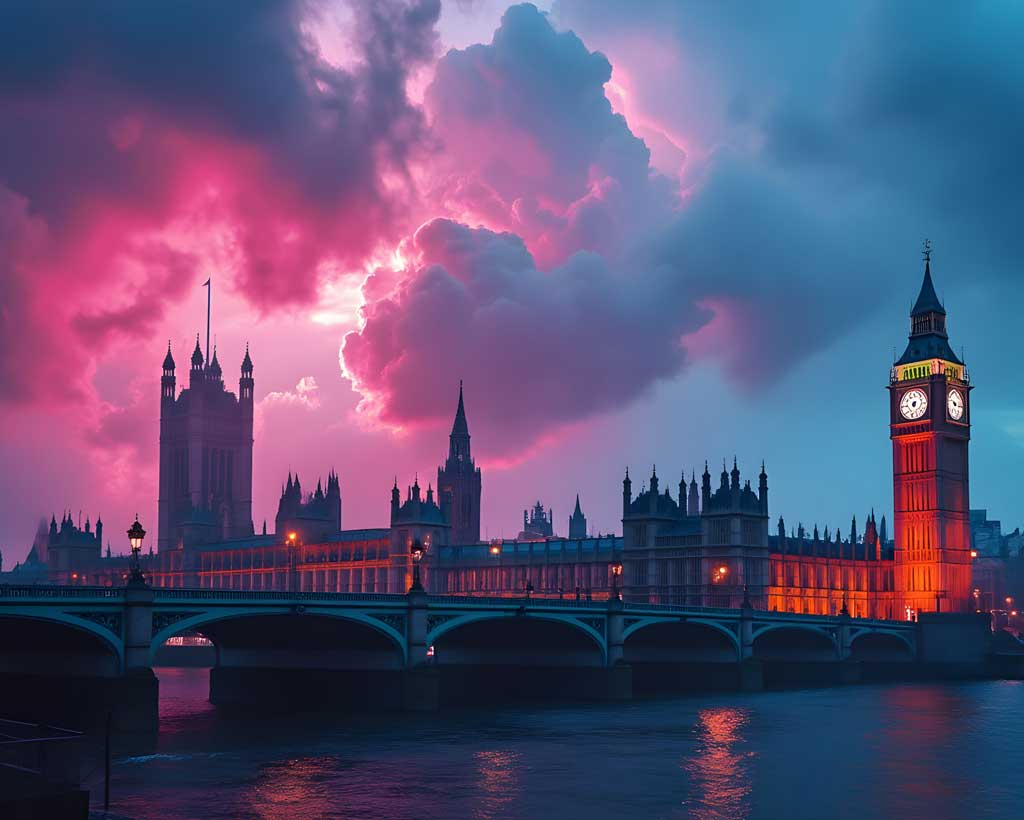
[
  {"x": 54, "y": 591},
  {"x": 708, "y": 610},
  {"x": 50, "y": 592},
  {"x": 805, "y": 616},
  {"x": 165, "y": 594},
  {"x": 761, "y": 614},
  {"x": 517, "y": 601}
]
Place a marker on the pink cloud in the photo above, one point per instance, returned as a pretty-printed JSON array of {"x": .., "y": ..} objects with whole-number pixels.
[
  {"x": 537, "y": 350},
  {"x": 113, "y": 166},
  {"x": 532, "y": 145}
]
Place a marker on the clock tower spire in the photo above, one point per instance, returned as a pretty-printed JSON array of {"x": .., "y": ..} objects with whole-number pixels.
[{"x": 930, "y": 431}]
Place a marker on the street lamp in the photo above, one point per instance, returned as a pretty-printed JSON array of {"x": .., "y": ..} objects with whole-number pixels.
[
  {"x": 616, "y": 574},
  {"x": 977, "y": 595},
  {"x": 416, "y": 550},
  {"x": 498, "y": 575},
  {"x": 292, "y": 541},
  {"x": 135, "y": 536}
]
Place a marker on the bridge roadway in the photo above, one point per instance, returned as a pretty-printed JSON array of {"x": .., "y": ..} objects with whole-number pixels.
[{"x": 76, "y": 651}]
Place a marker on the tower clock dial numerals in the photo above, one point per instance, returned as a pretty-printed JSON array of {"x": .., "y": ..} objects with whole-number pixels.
[
  {"x": 955, "y": 405},
  {"x": 913, "y": 404}
]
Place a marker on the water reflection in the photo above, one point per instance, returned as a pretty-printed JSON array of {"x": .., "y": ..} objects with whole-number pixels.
[
  {"x": 719, "y": 769},
  {"x": 923, "y": 725},
  {"x": 294, "y": 788},
  {"x": 946, "y": 752},
  {"x": 497, "y": 780},
  {"x": 179, "y": 705}
]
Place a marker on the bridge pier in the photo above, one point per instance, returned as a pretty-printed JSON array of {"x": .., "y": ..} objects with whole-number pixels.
[
  {"x": 84, "y": 701},
  {"x": 619, "y": 682},
  {"x": 616, "y": 625},
  {"x": 751, "y": 675},
  {"x": 416, "y": 628},
  {"x": 421, "y": 689},
  {"x": 746, "y": 631},
  {"x": 843, "y": 644},
  {"x": 954, "y": 645},
  {"x": 137, "y": 690},
  {"x": 850, "y": 671}
]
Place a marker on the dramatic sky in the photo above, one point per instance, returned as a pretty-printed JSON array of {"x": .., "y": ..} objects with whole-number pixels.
[{"x": 656, "y": 232}]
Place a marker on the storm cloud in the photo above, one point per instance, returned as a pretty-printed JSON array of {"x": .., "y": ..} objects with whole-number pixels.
[{"x": 188, "y": 126}]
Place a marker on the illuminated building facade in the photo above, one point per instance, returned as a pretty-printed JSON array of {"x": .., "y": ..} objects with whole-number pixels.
[
  {"x": 704, "y": 545},
  {"x": 930, "y": 429}
]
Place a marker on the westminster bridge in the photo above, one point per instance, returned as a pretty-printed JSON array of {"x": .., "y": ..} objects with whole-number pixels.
[{"x": 69, "y": 652}]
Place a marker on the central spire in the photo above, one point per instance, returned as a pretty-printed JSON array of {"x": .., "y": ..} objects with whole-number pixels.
[
  {"x": 460, "y": 427},
  {"x": 927, "y": 299},
  {"x": 458, "y": 447},
  {"x": 928, "y": 338}
]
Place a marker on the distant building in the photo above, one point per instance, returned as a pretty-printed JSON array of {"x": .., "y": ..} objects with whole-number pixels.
[
  {"x": 577, "y": 522},
  {"x": 537, "y": 524},
  {"x": 68, "y": 546},
  {"x": 458, "y": 482},
  {"x": 986, "y": 534},
  {"x": 416, "y": 521},
  {"x": 206, "y": 438},
  {"x": 313, "y": 518}
]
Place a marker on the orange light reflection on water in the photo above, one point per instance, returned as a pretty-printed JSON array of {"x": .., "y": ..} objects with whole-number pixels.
[
  {"x": 719, "y": 769},
  {"x": 293, "y": 789},
  {"x": 498, "y": 781}
]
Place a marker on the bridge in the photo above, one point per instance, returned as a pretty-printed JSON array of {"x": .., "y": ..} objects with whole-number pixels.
[{"x": 93, "y": 649}]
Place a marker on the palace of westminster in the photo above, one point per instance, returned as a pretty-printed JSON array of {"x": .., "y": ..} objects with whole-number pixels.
[{"x": 711, "y": 543}]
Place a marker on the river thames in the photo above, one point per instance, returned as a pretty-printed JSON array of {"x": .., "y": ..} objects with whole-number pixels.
[{"x": 937, "y": 751}]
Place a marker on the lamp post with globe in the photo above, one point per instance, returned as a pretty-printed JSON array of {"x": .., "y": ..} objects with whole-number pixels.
[
  {"x": 416, "y": 550},
  {"x": 135, "y": 536}
]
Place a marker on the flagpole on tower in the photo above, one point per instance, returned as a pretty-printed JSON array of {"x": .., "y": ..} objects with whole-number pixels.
[{"x": 208, "y": 290}]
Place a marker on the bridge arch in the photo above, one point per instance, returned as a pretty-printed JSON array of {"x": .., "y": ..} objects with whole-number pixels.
[
  {"x": 227, "y": 628},
  {"x": 75, "y": 644},
  {"x": 794, "y": 642},
  {"x": 692, "y": 626},
  {"x": 570, "y": 641},
  {"x": 881, "y": 645}
]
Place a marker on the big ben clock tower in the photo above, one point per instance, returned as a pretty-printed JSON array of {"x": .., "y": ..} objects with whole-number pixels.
[{"x": 930, "y": 428}]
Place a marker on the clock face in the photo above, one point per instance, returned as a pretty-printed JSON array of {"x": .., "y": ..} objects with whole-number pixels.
[
  {"x": 955, "y": 405},
  {"x": 913, "y": 404}
]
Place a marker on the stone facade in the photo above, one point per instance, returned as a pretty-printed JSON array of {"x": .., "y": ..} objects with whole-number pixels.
[{"x": 206, "y": 438}]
